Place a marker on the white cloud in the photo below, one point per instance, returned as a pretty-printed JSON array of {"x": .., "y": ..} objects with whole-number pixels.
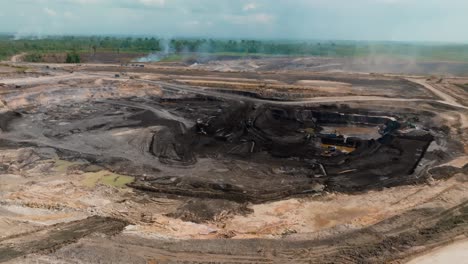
[
  {"x": 389, "y": 1},
  {"x": 198, "y": 23},
  {"x": 153, "y": 2},
  {"x": 49, "y": 11},
  {"x": 85, "y": 2},
  {"x": 259, "y": 18},
  {"x": 263, "y": 18},
  {"x": 68, "y": 14},
  {"x": 250, "y": 6},
  {"x": 193, "y": 23}
]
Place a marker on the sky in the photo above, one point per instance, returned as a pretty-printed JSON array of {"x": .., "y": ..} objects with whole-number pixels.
[{"x": 392, "y": 20}]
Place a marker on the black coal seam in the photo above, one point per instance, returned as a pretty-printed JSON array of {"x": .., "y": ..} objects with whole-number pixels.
[{"x": 421, "y": 156}]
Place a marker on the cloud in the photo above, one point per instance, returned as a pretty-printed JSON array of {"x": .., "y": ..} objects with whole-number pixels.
[
  {"x": 68, "y": 14},
  {"x": 389, "y": 1},
  {"x": 116, "y": 3},
  {"x": 250, "y": 6},
  {"x": 193, "y": 23},
  {"x": 198, "y": 23},
  {"x": 153, "y": 2},
  {"x": 49, "y": 11},
  {"x": 329, "y": 19},
  {"x": 86, "y": 2},
  {"x": 259, "y": 18},
  {"x": 263, "y": 18}
]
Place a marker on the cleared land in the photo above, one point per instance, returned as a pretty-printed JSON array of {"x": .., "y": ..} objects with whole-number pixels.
[{"x": 175, "y": 163}]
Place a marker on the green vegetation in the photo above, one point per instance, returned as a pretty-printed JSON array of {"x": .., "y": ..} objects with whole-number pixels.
[
  {"x": 73, "y": 57},
  {"x": 62, "y": 166},
  {"x": 33, "y": 57},
  {"x": 36, "y": 48},
  {"x": 39, "y": 47},
  {"x": 107, "y": 178}
]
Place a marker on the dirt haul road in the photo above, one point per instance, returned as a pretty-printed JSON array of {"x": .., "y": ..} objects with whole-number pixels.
[{"x": 447, "y": 100}]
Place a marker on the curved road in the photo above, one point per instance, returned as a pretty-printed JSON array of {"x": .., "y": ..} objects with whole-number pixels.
[
  {"x": 445, "y": 99},
  {"x": 209, "y": 92}
]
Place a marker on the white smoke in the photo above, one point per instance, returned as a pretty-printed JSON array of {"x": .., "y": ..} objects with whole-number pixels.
[
  {"x": 29, "y": 33},
  {"x": 164, "y": 46}
]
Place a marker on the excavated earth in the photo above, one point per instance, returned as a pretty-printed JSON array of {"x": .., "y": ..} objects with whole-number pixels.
[{"x": 168, "y": 164}]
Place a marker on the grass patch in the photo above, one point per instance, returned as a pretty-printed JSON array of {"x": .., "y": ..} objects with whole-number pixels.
[
  {"x": 62, "y": 166},
  {"x": 20, "y": 69},
  {"x": 33, "y": 57},
  {"x": 107, "y": 178}
]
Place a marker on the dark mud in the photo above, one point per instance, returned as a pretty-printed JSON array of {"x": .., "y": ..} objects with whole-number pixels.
[
  {"x": 6, "y": 118},
  {"x": 291, "y": 137},
  {"x": 445, "y": 172},
  {"x": 228, "y": 150}
]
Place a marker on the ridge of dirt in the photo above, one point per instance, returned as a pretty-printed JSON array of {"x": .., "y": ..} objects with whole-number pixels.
[{"x": 54, "y": 237}]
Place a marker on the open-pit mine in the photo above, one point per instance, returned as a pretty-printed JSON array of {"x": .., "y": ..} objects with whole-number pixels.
[{"x": 219, "y": 163}]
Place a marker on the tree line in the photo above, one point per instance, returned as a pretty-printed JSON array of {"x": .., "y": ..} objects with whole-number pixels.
[{"x": 75, "y": 45}]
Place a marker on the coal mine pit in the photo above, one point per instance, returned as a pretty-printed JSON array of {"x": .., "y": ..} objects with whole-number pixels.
[{"x": 231, "y": 150}]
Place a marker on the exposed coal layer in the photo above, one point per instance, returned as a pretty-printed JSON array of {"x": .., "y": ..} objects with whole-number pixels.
[
  {"x": 284, "y": 135},
  {"x": 6, "y": 118},
  {"x": 234, "y": 150}
]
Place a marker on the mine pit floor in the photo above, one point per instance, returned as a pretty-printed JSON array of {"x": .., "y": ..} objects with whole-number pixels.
[{"x": 158, "y": 166}]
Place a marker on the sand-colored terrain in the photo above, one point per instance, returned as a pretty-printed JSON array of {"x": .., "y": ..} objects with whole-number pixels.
[
  {"x": 453, "y": 253},
  {"x": 176, "y": 164}
]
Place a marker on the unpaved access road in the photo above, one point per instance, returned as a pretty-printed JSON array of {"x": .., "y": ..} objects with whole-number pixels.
[
  {"x": 447, "y": 98},
  {"x": 46, "y": 79},
  {"x": 454, "y": 253},
  {"x": 17, "y": 57},
  {"x": 315, "y": 100}
]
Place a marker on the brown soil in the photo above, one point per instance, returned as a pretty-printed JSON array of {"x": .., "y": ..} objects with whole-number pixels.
[
  {"x": 56, "y": 236},
  {"x": 228, "y": 167}
]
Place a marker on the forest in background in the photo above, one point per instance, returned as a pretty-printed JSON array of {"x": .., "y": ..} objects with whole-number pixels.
[{"x": 74, "y": 45}]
